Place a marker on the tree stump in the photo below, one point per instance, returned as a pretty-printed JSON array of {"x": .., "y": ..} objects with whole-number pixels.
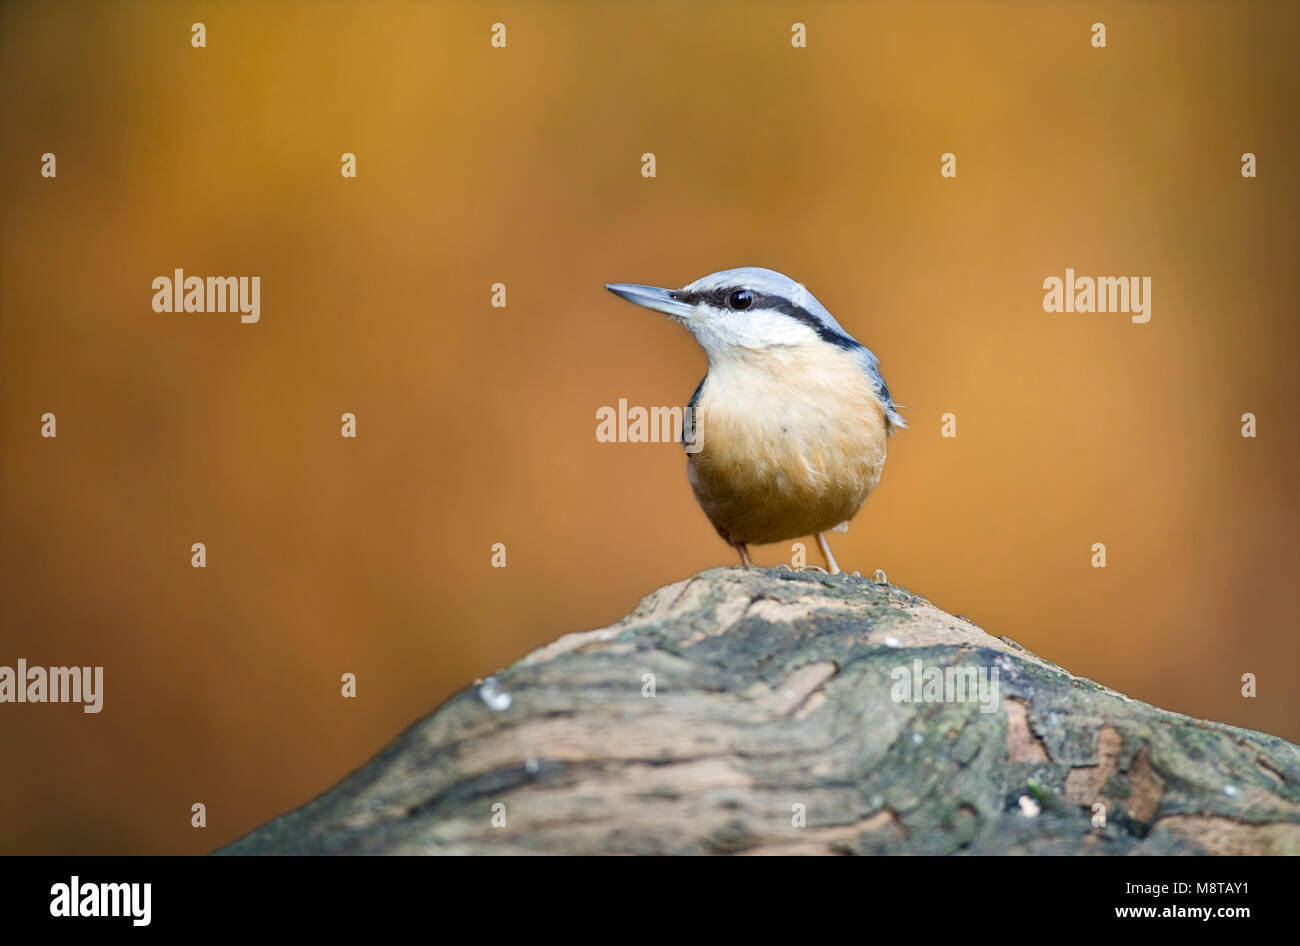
[{"x": 765, "y": 711}]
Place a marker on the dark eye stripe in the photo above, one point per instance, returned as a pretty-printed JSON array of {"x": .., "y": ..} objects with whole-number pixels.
[{"x": 717, "y": 298}]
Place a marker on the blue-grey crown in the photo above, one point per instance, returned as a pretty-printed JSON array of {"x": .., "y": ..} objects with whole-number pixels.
[{"x": 777, "y": 292}]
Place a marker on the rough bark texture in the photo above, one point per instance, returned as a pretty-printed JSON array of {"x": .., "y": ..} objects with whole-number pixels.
[{"x": 774, "y": 703}]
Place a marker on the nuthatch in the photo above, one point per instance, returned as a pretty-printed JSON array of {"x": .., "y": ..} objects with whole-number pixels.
[{"x": 793, "y": 411}]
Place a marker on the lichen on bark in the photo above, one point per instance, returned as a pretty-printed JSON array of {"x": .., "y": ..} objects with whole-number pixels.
[{"x": 774, "y": 727}]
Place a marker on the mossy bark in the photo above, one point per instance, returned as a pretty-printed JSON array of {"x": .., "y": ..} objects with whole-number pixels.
[{"x": 774, "y": 727}]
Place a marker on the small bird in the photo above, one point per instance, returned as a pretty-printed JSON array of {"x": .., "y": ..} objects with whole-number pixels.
[{"x": 791, "y": 418}]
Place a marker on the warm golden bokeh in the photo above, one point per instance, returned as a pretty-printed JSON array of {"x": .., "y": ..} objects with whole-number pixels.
[{"x": 522, "y": 165}]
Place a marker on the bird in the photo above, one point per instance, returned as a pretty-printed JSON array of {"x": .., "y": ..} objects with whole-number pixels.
[{"x": 792, "y": 417}]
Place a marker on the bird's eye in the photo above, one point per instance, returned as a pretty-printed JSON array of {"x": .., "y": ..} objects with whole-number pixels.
[{"x": 740, "y": 299}]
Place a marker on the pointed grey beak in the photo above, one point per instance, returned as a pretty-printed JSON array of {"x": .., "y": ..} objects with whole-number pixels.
[{"x": 661, "y": 300}]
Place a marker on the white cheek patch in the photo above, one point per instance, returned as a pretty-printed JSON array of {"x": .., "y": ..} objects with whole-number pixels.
[{"x": 720, "y": 331}]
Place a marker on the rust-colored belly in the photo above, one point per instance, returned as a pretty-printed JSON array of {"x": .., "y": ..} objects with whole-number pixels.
[{"x": 774, "y": 469}]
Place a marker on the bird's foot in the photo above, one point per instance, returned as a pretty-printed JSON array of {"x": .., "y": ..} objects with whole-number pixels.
[{"x": 826, "y": 551}]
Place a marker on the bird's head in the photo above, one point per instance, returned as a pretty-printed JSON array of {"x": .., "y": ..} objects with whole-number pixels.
[
  {"x": 739, "y": 312},
  {"x": 743, "y": 309}
]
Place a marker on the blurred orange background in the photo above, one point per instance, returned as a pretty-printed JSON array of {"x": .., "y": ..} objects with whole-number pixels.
[{"x": 477, "y": 425}]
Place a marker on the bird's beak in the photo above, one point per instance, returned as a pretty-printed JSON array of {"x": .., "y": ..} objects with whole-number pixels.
[{"x": 661, "y": 300}]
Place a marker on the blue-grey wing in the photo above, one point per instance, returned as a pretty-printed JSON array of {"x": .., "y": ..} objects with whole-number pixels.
[
  {"x": 871, "y": 364},
  {"x": 688, "y": 422}
]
